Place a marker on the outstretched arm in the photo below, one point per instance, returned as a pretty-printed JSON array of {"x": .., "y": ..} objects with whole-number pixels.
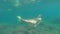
[{"x": 19, "y": 18}]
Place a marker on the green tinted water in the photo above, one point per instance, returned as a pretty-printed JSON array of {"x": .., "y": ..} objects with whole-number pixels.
[{"x": 10, "y": 9}]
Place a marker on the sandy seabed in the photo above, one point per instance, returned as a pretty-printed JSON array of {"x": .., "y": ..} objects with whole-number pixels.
[{"x": 42, "y": 28}]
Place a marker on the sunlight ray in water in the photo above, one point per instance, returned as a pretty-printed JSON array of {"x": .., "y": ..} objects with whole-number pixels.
[
  {"x": 17, "y": 3},
  {"x": 19, "y": 17}
]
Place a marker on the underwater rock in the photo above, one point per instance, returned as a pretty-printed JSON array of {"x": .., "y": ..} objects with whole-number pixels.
[
  {"x": 20, "y": 32},
  {"x": 1, "y": 32},
  {"x": 56, "y": 21},
  {"x": 50, "y": 28},
  {"x": 3, "y": 27},
  {"x": 25, "y": 32}
]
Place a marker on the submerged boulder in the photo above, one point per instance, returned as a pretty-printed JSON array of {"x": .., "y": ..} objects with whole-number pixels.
[{"x": 56, "y": 20}]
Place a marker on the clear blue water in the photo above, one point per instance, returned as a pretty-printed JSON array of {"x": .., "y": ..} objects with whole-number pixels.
[{"x": 49, "y": 9}]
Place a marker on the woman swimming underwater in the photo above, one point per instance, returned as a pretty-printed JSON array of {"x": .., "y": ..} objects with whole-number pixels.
[{"x": 34, "y": 21}]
